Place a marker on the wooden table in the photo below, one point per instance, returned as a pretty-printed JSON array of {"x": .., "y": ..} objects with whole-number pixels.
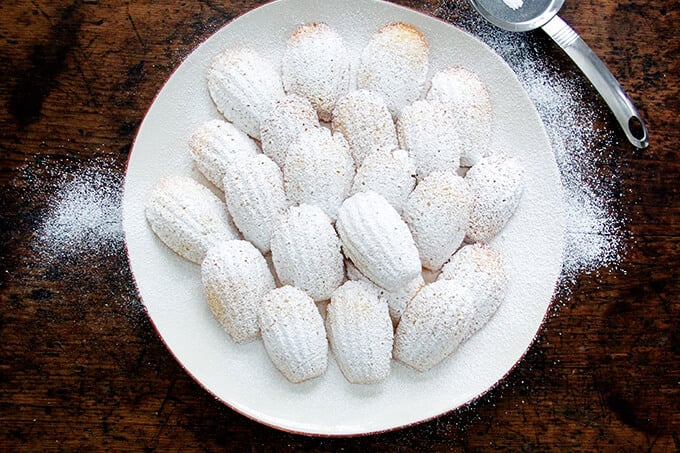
[{"x": 82, "y": 368}]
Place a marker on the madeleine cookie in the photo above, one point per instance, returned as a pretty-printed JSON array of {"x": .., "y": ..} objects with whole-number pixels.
[
  {"x": 243, "y": 85},
  {"x": 188, "y": 217},
  {"x": 287, "y": 118},
  {"x": 316, "y": 66},
  {"x": 235, "y": 278},
  {"x": 364, "y": 120},
  {"x": 215, "y": 145},
  {"x": 437, "y": 212},
  {"x": 306, "y": 252},
  {"x": 478, "y": 268},
  {"x": 377, "y": 241},
  {"x": 394, "y": 63},
  {"x": 319, "y": 170},
  {"x": 253, "y": 190},
  {"x": 496, "y": 184},
  {"x": 293, "y": 334},
  {"x": 466, "y": 98},
  {"x": 360, "y": 333}
]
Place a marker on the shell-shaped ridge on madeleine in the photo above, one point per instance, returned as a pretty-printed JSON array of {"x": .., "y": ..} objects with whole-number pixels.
[
  {"x": 306, "y": 252},
  {"x": 243, "y": 85},
  {"x": 255, "y": 198},
  {"x": 235, "y": 278},
  {"x": 217, "y": 144},
  {"x": 377, "y": 241},
  {"x": 360, "y": 332},
  {"x": 188, "y": 217},
  {"x": 293, "y": 334}
]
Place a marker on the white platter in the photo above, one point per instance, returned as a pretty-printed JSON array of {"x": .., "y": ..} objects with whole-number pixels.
[{"x": 241, "y": 375}]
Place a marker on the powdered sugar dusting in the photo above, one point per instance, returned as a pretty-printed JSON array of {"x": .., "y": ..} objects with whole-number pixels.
[
  {"x": 594, "y": 236},
  {"x": 83, "y": 216}
]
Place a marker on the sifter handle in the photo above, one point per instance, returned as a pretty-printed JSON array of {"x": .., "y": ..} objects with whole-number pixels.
[{"x": 601, "y": 78}]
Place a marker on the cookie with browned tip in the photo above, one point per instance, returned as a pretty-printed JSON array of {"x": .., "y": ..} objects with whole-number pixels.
[
  {"x": 394, "y": 63},
  {"x": 316, "y": 66}
]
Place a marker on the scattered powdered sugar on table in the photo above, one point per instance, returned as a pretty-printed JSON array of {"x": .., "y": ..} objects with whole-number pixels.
[
  {"x": 595, "y": 235},
  {"x": 83, "y": 216}
]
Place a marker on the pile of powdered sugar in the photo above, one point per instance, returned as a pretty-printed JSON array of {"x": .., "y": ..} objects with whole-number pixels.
[
  {"x": 83, "y": 216},
  {"x": 595, "y": 235}
]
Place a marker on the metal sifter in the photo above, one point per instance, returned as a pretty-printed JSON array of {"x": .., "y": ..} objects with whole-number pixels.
[{"x": 531, "y": 14}]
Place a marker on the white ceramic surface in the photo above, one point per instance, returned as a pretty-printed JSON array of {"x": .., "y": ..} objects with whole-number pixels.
[{"x": 241, "y": 375}]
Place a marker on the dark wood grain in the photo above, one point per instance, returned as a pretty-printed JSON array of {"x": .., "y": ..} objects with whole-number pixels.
[{"x": 81, "y": 367}]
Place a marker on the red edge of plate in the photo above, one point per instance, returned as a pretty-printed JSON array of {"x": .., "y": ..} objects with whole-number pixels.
[{"x": 281, "y": 428}]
